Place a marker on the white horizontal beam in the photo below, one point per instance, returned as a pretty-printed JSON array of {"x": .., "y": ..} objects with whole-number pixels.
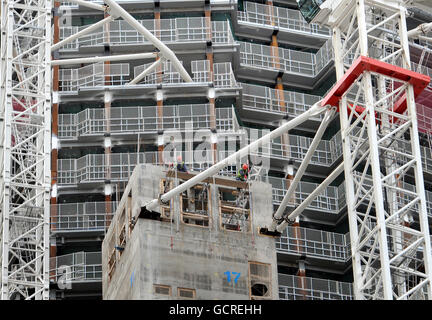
[
  {"x": 120, "y": 57},
  {"x": 89, "y": 4}
]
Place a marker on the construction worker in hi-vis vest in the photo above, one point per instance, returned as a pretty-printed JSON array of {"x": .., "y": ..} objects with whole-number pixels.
[
  {"x": 181, "y": 165},
  {"x": 242, "y": 174}
]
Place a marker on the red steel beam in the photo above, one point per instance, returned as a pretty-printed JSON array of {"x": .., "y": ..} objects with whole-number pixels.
[{"x": 362, "y": 64}]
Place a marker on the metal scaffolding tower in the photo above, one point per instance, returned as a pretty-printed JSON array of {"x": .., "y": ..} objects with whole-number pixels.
[
  {"x": 391, "y": 253},
  {"x": 25, "y": 146}
]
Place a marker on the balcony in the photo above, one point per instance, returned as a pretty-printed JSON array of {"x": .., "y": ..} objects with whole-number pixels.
[
  {"x": 222, "y": 75},
  {"x": 327, "y": 155},
  {"x": 260, "y": 103},
  {"x": 93, "y": 75},
  {"x": 423, "y": 70},
  {"x": 300, "y": 69},
  {"x": 90, "y": 80},
  {"x": 320, "y": 247},
  {"x": 325, "y": 208},
  {"x": 117, "y": 167},
  {"x": 280, "y": 152},
  {"x": 305, "y": 288},
  {"x": 177, "y": 33},
  {"x": 81, "y": 217},
  {"x": 77, "y": 271},
  {"x": 91, "y": 124},
  {"x": 164, "y": 4},
  {"x": 292, "y": 27}
]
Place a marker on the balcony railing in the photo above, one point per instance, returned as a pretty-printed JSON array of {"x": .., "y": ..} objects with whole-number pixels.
[
  {"x": 73, "y": 5},
  {"x": 422, "y": 69},
  {"x": 131, "y": 120},
  {"x": 296, "y": 147},
  {"x": 86, "y": 216},
  {"x": 328, "y": 152},
  {"x": 76, "y": 267},
  {"x": 424, "y": 118},
  {"x": 93, "y": 75},
  {"x": 222, "y": 75},
  {"x": 71, "y": 80},
  {"x": 178, "y": 30},
  {"x": 277, "y": 101},
  {"x": 426, "y": 41},
  {"x": 283, "y": 18},
  {"x": 316, "y": 243},
  {"x": 305, "y": 288},
  {"x": 292, "y": 61},
  {"x": 327, "y": 201},
  {"x": 119, "y": 166}
]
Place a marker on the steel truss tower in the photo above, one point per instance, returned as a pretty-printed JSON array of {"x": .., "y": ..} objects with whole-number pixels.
[
  {"x": 25, "y": 146},
  {"x": 390, "y": 241}
]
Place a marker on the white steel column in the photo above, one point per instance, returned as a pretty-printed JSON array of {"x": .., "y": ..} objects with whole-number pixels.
[
  {"x": 25, "y": 148},
  {"x": 391, "y": 260}
]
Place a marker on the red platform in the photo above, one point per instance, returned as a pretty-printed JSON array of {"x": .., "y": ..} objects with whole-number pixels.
[{"x": 362, "y": 64}]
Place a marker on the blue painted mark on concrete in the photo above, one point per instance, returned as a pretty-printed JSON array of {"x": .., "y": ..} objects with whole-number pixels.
[
  {"x": 229, "y": 273},
  {"x": 132, "y": 278}
]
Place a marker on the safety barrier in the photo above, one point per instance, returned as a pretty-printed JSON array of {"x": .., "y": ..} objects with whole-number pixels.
[
  {"x": 76, "y": 267},
  {"x": 86, "y": 216},
  {"x": 282, "y": 18},
  {"x": 306, "y": 288},
  {"x": 291, "y": 61}
]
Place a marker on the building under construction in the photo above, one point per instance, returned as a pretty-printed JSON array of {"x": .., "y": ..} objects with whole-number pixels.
[{"x": 120, "y": 128}]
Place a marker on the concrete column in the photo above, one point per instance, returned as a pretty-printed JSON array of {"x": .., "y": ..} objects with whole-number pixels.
[
  {"x": 301, "y": 273},
  {"x": 275, "y": 51},
  {"x": 286, "y": 151},
  {"x": 107, "y": 139},
  {"x": 159, "y": 112},
  {"x": 289, "y": 170},
  {"x": 159, "y": 93},
  {"x": 271, "y": 12},
  {"x": 158, "y": 34},
  {"x": 211, "y": 97},
  {"x": 280, "y": 94}
]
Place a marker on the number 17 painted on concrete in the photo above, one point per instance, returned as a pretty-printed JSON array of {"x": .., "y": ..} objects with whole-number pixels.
[{"x": 236, "y": 274}]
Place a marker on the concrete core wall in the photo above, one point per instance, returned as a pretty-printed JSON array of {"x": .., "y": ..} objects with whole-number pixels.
[{"x": 169, "y": 258}]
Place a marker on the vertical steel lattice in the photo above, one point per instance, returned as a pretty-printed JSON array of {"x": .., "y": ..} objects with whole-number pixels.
[
  {"x": 25, "y": 146},
  {"x": 390, "y": 241}
]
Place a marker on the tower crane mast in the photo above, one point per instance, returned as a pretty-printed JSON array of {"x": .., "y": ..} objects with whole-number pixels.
[
  {"x": 391, "y": 254},
  {"x": 25, "y": 148}
]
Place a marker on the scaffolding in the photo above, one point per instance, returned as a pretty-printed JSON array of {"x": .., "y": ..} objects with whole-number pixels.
[{"x": 25, "y": 146}]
